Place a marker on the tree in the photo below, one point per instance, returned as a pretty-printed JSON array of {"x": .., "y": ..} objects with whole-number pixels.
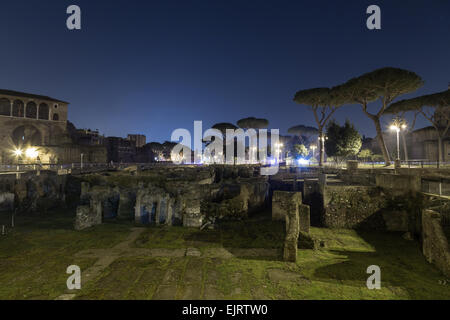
[
  {"x": 434, "y": 107},
  {"x": 303, "y": 132},
  {"x": 301, "y": 150},
  {"x": 156, "y": 149},
  {"x": 365, "y": 154},
  {"x": 222, "y": 127},
  {"x": 342, "y": 142},
  {"x": 385, "y": 84},
  {"x": 253, "y": 123},
  {"x": 323, "y": 102},
  {"x": 167, "y": 148}
]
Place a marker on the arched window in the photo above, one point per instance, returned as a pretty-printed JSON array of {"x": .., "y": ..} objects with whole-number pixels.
[
  {"x": 5, "y": 107},
  {"x": 43, "y": 111},
  {"x": 18, "y": 108},
  {"x": 55, "y": 117},
  {"x": 31, "y": 111},
  {"x": 26, "y": 135}
]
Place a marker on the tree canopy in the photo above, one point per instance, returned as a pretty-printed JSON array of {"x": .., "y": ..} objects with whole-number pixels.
[
  {"x": 385, "y": 83},
  {"x": 434, "y": 107},
  {"x": 300, "y": 150},
  {"x": 342, "y": 141},
  {"x": 323, "y": 102},
  {"x": 253, "y": 123},
  {"x": 223, "y": 126},
  {"x": 301, "y": 130},
  {"x": 436, "y": 100}
]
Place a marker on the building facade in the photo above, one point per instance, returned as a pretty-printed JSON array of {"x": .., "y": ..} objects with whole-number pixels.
[
  {"x": 36, "y": 121},
  {"x": 139, "y": 140},
  {"x": 31, "y": 119}
]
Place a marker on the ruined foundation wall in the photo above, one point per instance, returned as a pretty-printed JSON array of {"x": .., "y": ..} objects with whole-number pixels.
[
  {"x": 434, "y": 241},
  {"x": 353, "y": 207},
  {"x": 29, "y": 192}
]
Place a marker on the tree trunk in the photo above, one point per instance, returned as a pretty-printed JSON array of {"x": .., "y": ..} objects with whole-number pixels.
[
  {"x": 405, "y": 148},
  {"x": 381, "y": 143},
  {"x": 440, "y": 153},
  {"x": 321, "y": 147}
]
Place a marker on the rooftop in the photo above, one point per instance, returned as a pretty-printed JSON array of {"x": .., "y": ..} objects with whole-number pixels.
[{"x": 29, "y": 95}]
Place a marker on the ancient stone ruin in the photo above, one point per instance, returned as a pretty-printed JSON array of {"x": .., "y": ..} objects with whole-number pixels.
[
  {"x": 288, "y": 206},
  {"x": 189, "y": 196}
]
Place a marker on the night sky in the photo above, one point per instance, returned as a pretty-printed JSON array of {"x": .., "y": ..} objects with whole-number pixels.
[{"x": 153, "y": 66}]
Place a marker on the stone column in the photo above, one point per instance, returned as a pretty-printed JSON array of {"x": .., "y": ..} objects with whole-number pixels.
[
  {"x": 169, "y": 211},
  {"x": 137, "y": 208},
  {"x": 292, "y": 231},
  {"x": 281, "y": 201},
  {"x": 11, "y": 110},
  {"x": 158, "y": 210}
]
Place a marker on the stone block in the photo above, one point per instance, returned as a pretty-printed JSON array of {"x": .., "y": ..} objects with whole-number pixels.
[
  {"x": 192, "y": 220},
  {"x": 304, "y": 217},
  {"x": 282, "y": 201},
  {"x": 6, "y": 201},
  {"x": 85, "y": 218},
  {"x": 290, "y": 250},
  {"x": 435, "y": 243}
]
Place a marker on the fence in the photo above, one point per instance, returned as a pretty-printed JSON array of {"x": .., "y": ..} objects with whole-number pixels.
[{"x": 438, "y": 186}]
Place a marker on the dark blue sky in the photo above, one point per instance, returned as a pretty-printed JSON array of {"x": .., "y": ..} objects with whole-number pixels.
[{"x": 153, "y": 66}]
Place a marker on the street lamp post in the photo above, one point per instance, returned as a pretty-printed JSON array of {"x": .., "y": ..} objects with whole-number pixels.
[
  {"x": 398, "y": 125},
  {"x": 313, "y": 148}
]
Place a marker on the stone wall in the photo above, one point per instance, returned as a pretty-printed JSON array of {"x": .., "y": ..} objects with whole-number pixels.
[
  {"x": 188, "y": 195},
  {"x": 283, "y": 202},
  {"x": 399, "y": 184},
  {"x": 353, "y": 207},
  {"x": 434, "y": 241},
  {"x": 31, "y": 192},
  {"x": 357, "y": 177},
  {"x": 88, "y": 215},
  {"x": 6, "y": 201}
]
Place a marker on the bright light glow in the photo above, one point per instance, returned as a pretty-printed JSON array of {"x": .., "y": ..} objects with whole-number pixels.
[
  {"x": 404, "y": 126},
  {"x": 18, "y": 152},
  {"x": 31, "y": 153},
  {"x": 302, "y": 161},
  {"x": 394, "y": 128}
]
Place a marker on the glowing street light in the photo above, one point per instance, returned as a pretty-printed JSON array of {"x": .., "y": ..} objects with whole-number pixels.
[
  {"x": 31, "y": 153},
  {"x": 398, "y": 125},
  {"x": 278, "y": 149},
  {"x": 18, "y": 152}
]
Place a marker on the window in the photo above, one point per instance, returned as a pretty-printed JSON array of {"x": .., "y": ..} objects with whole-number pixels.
[
  {"x": 55, "y": 117},
  {"x": 5, "y": 107},
  {"x": 43, "y": 111},
  {"x": 31, "y": 111},
  {"x": 18, "y": 108}
]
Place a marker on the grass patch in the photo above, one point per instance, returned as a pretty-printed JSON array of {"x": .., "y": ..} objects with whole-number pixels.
[
  {"x": 240, "y": 234},
  {"x": 34, "y": 257},
  {"x": 35, "y": 254}
]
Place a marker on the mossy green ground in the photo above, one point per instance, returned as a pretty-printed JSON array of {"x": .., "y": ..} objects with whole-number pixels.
[{"x": 35, "y": 255}]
